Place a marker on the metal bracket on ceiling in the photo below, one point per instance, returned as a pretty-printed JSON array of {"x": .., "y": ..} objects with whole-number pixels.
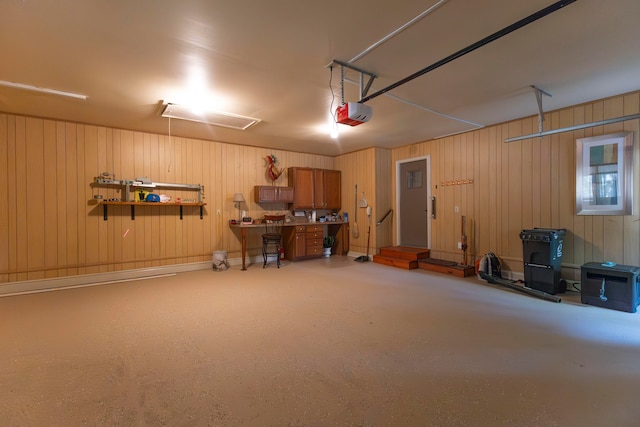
[
  {"x": 364, "y": 87},
  {"x": 539, "y": 92}
]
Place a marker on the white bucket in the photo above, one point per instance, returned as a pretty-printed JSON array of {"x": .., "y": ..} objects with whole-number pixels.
[{"x": 219, "y": 259}]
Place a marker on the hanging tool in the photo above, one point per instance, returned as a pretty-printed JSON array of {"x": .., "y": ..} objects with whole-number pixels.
[
  {"x": 356, "y": 230},
  {"x": 463, "y": 240},
  {"x": 363, "y": 202}
]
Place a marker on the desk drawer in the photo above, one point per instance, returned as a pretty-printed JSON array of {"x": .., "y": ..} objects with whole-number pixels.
[
  {"x": 314, "y": 234},
  {"x": 314, "y": 228},
  {"x": 314, "y": 242},
  {"x": 314, "y": 250}
]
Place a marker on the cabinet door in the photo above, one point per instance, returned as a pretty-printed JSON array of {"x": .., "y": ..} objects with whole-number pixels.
[
  {"x": 301, "y": 243},
  {"x": 319, "y": 201},
  {"x": 302, "y": 181},
  {"x": 332, "y": 189},
  {"x": 286, "y": 194},
  {"x": 265, "y": 193}
]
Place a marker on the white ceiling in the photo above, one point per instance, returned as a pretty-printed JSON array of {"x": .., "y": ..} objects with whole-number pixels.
[{"x": 268, "y": 59}]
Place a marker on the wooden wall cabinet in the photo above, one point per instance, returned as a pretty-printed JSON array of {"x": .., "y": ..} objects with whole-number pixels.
[
  {"x": 328, "y": 189},
  {"x": 302, "y": 179},
  {"x": 315, "y": 188},
  {"x": 273, "y": 194}
]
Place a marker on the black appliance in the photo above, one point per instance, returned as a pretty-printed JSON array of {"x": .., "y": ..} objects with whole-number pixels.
[
  {"x": 542, "y": 255},
  {"x": 610, "y": 285}
]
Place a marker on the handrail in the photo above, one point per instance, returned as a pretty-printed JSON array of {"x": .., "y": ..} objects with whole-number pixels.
[{"x": 384, "y": 217}]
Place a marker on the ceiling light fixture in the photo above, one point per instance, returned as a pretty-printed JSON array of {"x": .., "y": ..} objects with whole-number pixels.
[
  {"x": 43, "y": 90},
  {"x": 216, "y": 118}
]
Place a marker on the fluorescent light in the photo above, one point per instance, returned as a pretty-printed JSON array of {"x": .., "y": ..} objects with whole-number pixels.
[
  {"x": 216, "y": 118},
  {"x": 43, "y": 90}
]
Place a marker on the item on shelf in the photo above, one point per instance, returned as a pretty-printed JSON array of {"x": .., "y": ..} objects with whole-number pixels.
[
  {"x": 133, "y": 192},
  {"x": 144, "y": 180}
]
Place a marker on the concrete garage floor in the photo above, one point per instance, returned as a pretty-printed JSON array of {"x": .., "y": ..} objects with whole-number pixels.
[{"x": 315, "y": 343}]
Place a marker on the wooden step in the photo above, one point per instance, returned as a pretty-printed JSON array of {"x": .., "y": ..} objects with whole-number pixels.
[
  {"x": 447, "y": 267},
  {"x": 404, "y": 252},
  {"x": 396, "y": 262}
]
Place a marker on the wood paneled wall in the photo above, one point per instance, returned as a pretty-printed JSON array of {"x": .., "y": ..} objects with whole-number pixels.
[
  {"x": 527, "y": 184},
  {"x": 383, "y": 202},
  {"x": 357, "y": 168},
  {"x": 371, "y": 170},
  {"x": 50, "y": 225}
]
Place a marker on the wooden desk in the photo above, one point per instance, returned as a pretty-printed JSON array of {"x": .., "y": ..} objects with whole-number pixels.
[
  {"x": 243, "y": 233},
  {"x": 245, "y": 227}
]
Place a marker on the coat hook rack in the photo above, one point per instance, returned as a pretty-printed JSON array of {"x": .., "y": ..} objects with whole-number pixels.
[{"x": 456, "y": 182}]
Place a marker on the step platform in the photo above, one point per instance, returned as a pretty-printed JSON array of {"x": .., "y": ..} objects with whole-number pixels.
[
  {"x": 405, "y": 257},
  {"x": 446, "y": 267}
]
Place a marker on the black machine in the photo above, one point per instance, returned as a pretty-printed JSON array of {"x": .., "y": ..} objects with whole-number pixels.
[
  {"x": 610, "y": 285},
  {"x": 489, "y": 269},
  {"x": 542, "y": 255}
]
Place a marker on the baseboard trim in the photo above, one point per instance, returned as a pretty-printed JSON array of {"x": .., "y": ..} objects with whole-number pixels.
[{"x": 69, "y": 282}]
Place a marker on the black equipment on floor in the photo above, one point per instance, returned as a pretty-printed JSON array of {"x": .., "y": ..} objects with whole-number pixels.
[
  {"x": 542, "y": 255},
  {"x": 611, "y": 286},
  {"x": 490, "y": 269},
  {"x": 366, "y": 258},
  {"x": 512, "y": 285}
]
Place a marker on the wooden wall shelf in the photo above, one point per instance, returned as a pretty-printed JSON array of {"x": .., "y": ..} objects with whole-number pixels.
[
  {"x": 144, "y": 183},
  {"x": 151, "y": 204}
]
